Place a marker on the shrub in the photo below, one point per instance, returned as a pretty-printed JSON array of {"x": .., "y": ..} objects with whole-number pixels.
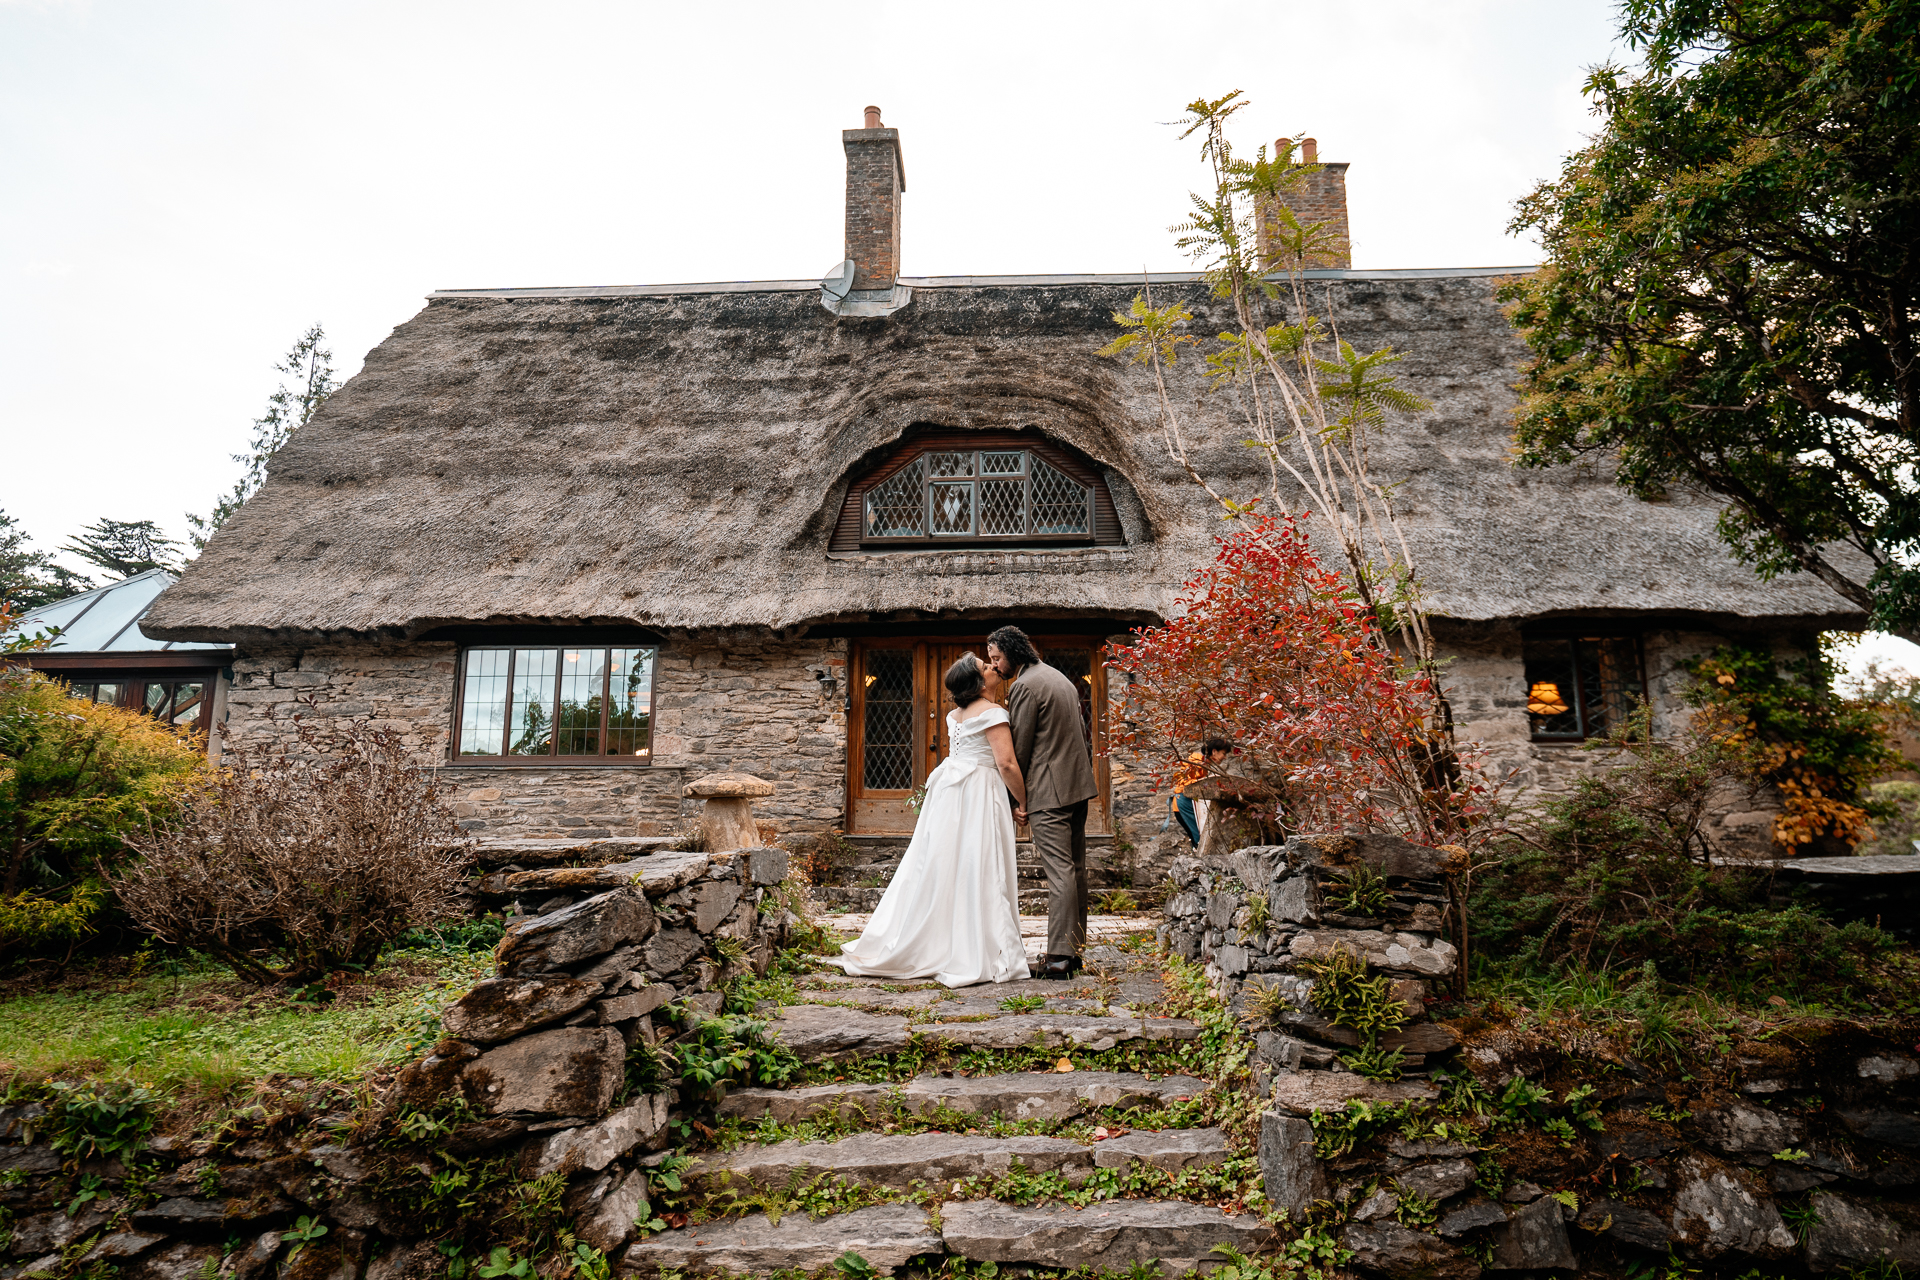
[
  {"x": 1896, "y": 831},
  {"x": 75, "y": 776},
  {"x": 1275, "y": 652},
  {"x": 1617, "y": 876},
  {"x": 1791, "y": 730},
  {"x": 288, "y": 867}
]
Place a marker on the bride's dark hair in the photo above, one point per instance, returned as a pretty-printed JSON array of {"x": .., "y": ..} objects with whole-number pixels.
[{"x": 965, "y": 684}]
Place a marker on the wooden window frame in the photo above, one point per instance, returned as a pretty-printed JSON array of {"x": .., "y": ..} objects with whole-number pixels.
[
  {"x": 1103, "y": 524},
  {"x": 1570, "y": 638},
  {"x": 132, "y": 691},
  {"x": 552, "y": 760}
]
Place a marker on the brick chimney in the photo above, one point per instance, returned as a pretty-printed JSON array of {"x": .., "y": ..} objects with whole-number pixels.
[
  {"x": 876, "y": 175},
  {"x": 1320, "y": 196}
]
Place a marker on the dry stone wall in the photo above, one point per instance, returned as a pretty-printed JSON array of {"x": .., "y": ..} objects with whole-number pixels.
[{"x": 533, "y": 1070}]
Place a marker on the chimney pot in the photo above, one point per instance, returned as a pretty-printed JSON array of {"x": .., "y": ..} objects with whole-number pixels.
[
  {"x": 873, "y": 119},
  {"x": 1309, "y": 151}
]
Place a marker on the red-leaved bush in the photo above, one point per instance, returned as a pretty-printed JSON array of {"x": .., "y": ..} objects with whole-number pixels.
[{"x": 1274, "y": 652}]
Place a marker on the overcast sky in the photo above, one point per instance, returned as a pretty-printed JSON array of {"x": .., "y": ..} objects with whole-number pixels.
[{"x": 188, "y": 185}]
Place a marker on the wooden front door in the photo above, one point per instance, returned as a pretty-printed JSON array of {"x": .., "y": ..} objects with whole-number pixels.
[{"x": 897, "y": 732}]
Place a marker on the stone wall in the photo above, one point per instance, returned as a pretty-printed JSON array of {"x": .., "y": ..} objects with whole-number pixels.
[
  {"x": 537, "y": 1058},
  {"x": 749, "y": 704}
]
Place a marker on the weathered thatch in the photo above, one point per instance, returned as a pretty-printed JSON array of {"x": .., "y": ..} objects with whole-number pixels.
[{"x": 676, "y": 459}]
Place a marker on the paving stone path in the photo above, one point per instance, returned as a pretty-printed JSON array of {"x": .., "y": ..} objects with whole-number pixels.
[{"x": 849, "y": 1018}]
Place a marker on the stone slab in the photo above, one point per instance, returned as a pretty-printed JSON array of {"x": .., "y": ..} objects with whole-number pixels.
[
  {"x": 1039, "y": 1095},
  {"x": 818, "y": 1033},
  {"x": 496, "y": 853},
  {"x": 568, "y": 1071},
  {"x": 885, "y": 1235},
  {"x": 1303, "y": 1093},
  {"x": 1109, "y": 1235},
  {"x": 1289, "y": 1173},
  {"x": 1059, "y": 1031},
  {"x": 897, "y": 1160},
  {"x": 1168, "y": 1149},
  {"x": 580, "y": 932},
  {"x": 501, "y": 1008},
  {"x": 595, "y": 1146},
  {"x": 655, "y": 875},
  {"x": 812, "y": 1102}
]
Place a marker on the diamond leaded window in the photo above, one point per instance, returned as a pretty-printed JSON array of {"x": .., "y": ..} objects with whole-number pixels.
[{"x": 976, "y": 494}]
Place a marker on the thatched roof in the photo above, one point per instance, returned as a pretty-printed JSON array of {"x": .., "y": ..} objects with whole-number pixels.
[{"x": 676, "y": 457}]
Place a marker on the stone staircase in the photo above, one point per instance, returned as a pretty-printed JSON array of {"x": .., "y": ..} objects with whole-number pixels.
[
  {"x": 864, "y": 881},
  {"x": 1109, "y": 1006}
]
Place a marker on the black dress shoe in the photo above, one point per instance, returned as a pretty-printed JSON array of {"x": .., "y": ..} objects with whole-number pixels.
[{"x": 1059, "y": 968}]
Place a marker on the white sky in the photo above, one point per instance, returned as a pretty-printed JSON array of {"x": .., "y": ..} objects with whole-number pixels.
[{"x": 186, "y": 186}]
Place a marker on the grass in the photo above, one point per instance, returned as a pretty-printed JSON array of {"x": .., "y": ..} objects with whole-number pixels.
[{"x": 205, "y": 1032}]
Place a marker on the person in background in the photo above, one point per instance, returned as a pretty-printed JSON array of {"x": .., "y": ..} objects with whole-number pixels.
[{"x": 1201, "y": 764}]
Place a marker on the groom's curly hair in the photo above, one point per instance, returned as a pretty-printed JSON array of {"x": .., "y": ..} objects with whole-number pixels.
[{"x": 1013, "y": 642}]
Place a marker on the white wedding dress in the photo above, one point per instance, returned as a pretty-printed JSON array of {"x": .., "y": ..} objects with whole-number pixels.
[{"x": 952, "y": 912}]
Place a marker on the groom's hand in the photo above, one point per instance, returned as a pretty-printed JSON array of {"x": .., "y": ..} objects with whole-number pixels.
[{"x": 1020, "y": 815}]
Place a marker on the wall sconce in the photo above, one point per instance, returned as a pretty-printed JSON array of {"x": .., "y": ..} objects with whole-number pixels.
[{"x": 827, "y": 683}]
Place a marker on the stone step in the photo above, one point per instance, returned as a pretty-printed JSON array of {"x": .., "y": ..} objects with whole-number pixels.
[
  {"x": 1109, "y": 1236},
  {"x": 1021, "y": 1095},
  {"x": 1032, "y": 898},
  {"x": 899, "y": 1160},
  {"x": 1059, "y": 1031},
  {"x": 1112, "y": 1236},
  {"x": 885, "y": 1235}
]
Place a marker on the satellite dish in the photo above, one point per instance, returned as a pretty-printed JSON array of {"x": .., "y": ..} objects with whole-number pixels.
[{"x": 839, "y": 281}]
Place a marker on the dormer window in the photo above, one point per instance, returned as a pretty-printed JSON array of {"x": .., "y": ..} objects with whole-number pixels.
[{"x": 984, "y": 488}]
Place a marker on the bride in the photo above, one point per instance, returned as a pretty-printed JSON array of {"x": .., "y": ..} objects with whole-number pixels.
[{"x": 952, "y": 912}]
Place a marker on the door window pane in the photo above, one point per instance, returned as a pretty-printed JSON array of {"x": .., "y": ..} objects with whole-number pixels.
[
  {"x": 1077, "y": 666},
  {"x": 630, "y": 717},
  {"x": 887, "y": 726},
  {"x": 155, "y": 699},
  {"x": 533, "y": 677},
  {"x": 483, "y": 703}
]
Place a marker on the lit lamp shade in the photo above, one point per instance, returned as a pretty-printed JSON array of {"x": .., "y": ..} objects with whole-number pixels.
[{"x": 1544, "y": 699}]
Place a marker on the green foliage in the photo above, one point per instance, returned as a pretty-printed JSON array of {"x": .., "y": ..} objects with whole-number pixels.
[
  {"x": 187, "y": 1032},
  {"x": 1614, "y": 877},
  {"x": 483, "y": 934},
  {"x": 716, "y": 1052},
  {"x": 1790, "y": 729},
  {"x": 125, "y": 547},
  {"x": 1366, "y": 1005},
  {"x": 76, "y": 777},
  {"x": 1115, "y": 902},
  {"x": 1801, "y": 1219},
  {"x": 1024, "y": 1004},
  {"x": 1360, "y": 891},
  {"x": 288, "y": 409},
  {"x": 1725, "y": 261},
  {"x": 98, "y": 1118},
  {"x": 30, "y": 579},
  {"x": 306, "y": 1229},
  {"x": 1897, "y": 825}
]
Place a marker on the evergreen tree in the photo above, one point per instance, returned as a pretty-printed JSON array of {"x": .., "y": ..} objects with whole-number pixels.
[
  {"x": 29, "y": 578},
  {"x": 288, "y": 409},
  {"x": 126, "y": 547}
]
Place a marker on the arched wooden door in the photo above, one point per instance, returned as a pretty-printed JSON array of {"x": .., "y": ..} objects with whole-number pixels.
[{"x": 897, "y": 733}]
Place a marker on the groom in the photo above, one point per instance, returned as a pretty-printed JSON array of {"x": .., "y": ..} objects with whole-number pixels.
[{"x": 1050, "y": 742}]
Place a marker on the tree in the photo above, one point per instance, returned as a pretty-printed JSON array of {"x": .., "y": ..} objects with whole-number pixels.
[
  {"x": 288, "y": 409},
  {"x": 125, "y": 547},
  {"x": 1729, "y": 298},
  {"x": 28, "y": 578},
  {"x": 1311, "y": 405},
  {"x": 75, "y": 778}
]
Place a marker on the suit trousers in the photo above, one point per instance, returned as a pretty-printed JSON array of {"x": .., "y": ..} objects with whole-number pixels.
[{"x": 1060, "y": 839}]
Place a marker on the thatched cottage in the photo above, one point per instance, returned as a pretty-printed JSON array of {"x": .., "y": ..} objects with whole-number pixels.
[{"x": 589, "y": 543}]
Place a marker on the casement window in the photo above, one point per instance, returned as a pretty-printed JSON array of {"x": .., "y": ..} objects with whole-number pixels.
[
  {"x": 185, "y": 703},
  {"x": 1581, "y": 687},
  {"x": 524, "y": 704},
  {"x": 979, "y": 489}
]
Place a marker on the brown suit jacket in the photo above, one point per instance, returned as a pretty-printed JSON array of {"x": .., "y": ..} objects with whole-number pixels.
[{"x": 1050, "y": 740}]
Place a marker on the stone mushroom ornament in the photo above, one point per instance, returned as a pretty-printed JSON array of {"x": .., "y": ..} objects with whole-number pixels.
[{"x": 728, "y": 815}]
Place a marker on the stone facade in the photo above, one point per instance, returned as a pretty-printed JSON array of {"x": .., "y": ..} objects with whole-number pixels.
[
  {"x": 722, "y": 704},
  {"x": 750, "y": 702}
]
